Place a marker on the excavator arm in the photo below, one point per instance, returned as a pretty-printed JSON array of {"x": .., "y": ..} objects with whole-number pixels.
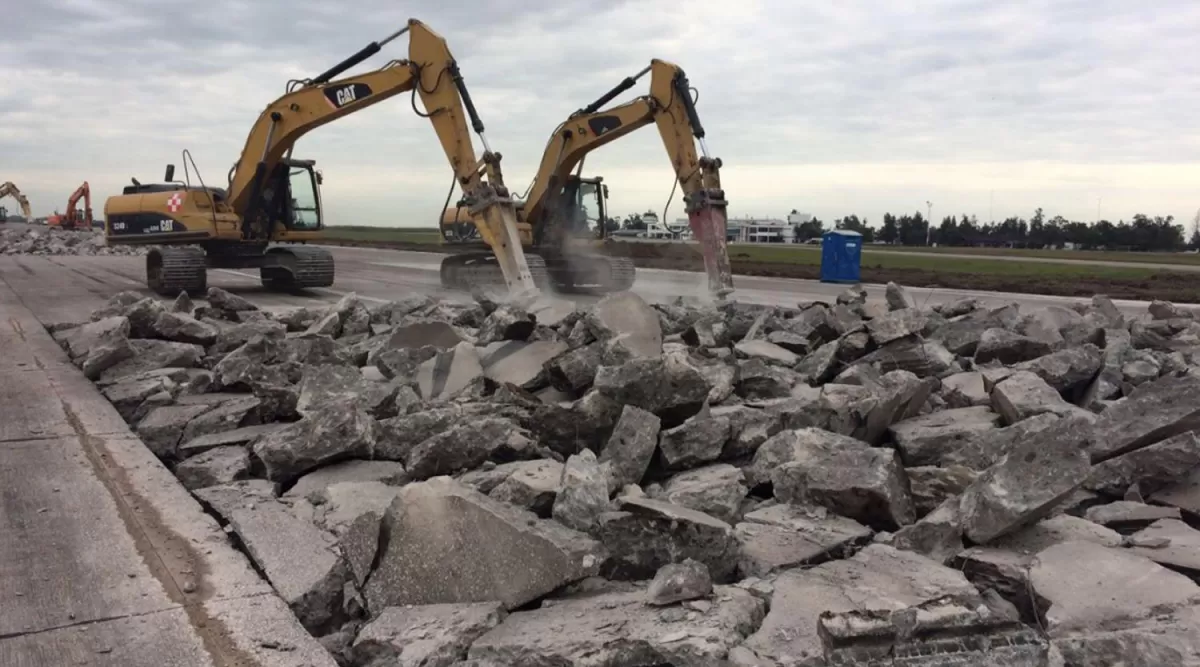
[
  {"x": 7, "y": 189},
  {"x": 83, "y": 192},
  {"x": 432, "y": 70},
  {"x": 671, "y": 107}
]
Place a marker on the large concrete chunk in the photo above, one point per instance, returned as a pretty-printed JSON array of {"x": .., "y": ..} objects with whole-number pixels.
[
  {"x": 452, "y": 544},
  {"x": 647, "y": 534},
  {"x": 1008, "y": 348},
  {"x": 784, "y": 536},
  {"x": 627, "y": 316},
  {"x": 531, "y": 485},
  {"x": 449, "y": 372},
  {"x": 1003, "y": 565},
  {"x": 299, "y": 560},
  {"x": 315, "y": 482},
  {"x": 895, "y": 325},
  {"x": 1027, "y": 484},
  {"x": 433, "y": 635},
  {"x": 983, "y": 452},
  {"x": 767, "y": 351},
  {"x": 793, "y": 445},
  {"x": 1023, "y": 395},
  {"x": 149, "y": 355},
  {"x": 80, "y": 340},
  {"x": 1170, "y": 543},
  {"x": 631, "y": 446},
  {"x": 1154, "y": 411},
  {"x": 621, "y": 629},
  {"x": 520, "y": 363},
  {"x": 864, "y": 483},
  {"x": 1152, "y": 468},
  {"x": 877, "y": 578},
  {"x": 1114, "y": 585},
  {"x": 717, "y": 490},
  {"x": 333, "y": 435},
  {"x": 929, "y": 439},
  {"x": 933, "y": 485},
  {"x": 184, "y": 328},
  {"x": 1067, "y": 370},
  {"x": 963, "y": 390},
  {"x": 583, "y": 492},
  {"x": 669, "y": 387},
  {"x": 327, "y": 385},
  {"x": 466, "y": 445},
  {"x": 221, "y": 465},
  {"x": 163, "y": 427},
  {"x": 696, "y": 441},
  {"x": 924, "y": 358}
]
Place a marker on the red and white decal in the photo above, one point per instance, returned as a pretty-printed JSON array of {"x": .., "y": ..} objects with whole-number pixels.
[{"x": 175, "y": 202}]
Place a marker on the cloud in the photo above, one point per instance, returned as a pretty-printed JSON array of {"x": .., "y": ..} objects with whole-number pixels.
[{"x": 831, "y": 108}]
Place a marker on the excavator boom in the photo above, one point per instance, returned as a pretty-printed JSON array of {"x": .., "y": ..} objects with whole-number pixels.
[{"x": 7, "y": 189}]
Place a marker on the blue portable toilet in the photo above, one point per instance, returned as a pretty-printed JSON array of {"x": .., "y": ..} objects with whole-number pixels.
[{"x": 841, "y": 256}]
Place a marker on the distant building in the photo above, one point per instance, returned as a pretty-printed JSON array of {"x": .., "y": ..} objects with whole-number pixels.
[
  {"x": 796, "y": 218},
  {"x": 761, "y": 230}
]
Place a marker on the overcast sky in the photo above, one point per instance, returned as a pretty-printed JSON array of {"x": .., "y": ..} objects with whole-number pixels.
[{"x": 982, "y": 107}]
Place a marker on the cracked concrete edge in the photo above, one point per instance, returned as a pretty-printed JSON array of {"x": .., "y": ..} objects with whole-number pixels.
[{"x": 241, "y": 619}]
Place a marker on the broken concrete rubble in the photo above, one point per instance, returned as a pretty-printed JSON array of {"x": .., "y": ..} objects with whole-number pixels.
[{"x": 962, "y": 427}]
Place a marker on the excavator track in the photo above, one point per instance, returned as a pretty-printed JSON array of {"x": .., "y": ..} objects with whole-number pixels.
[
  {"x": 171, "y": 270},
  {"x": 582, "y": 274},
  {"x": 590, "y": 273},
  {"x": 471, "y": 271},
  {"x": 297, "y": 267}
]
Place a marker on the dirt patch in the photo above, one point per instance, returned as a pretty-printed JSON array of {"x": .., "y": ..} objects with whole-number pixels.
[{"x": 1175, "y": 286}]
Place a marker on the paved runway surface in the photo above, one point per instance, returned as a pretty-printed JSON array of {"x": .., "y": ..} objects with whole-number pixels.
[
  {"x": 67, "y": 288},
  {"x": 105, "y": 560}
]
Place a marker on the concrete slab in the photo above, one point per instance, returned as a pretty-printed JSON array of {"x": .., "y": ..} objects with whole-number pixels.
[
  {"x": 160, "y": 639},
  {"x": 105, "y": 559},
  {"x": 29, "y": 408},
  {"x": 66, "y": 556}
]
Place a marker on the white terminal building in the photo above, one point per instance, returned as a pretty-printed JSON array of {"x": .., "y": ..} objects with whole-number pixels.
[{"x": 764, "y": 230}]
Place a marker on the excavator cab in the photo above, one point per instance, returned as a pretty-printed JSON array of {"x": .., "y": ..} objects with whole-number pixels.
[
  {"x": 584, "y": 202},
  {"x": 304, "y": 209}
]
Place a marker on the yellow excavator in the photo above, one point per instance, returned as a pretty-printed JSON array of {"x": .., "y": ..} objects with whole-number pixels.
[
  {"x": 273, "y": 198},
  {"x": 553, "y": 218},
  {"x": 7, "y": 189}
]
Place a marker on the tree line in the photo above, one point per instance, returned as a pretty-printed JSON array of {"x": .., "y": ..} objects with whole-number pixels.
[{"x": 1141, "y": 233}]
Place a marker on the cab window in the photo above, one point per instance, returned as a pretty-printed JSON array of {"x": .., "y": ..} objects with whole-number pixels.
[{"x": 306, "y": 214}]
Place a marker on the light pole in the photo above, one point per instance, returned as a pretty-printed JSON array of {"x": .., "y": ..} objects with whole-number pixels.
[{"x": 929, "y": 223}]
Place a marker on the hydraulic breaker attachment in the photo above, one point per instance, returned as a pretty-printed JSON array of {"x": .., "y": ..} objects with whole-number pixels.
[
  {"x": 498, "y": 215},
  {"x": 706, "y": 216}
]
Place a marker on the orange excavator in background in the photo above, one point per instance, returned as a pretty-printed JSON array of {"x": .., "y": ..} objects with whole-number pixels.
[{"x": 73, "y": 219}]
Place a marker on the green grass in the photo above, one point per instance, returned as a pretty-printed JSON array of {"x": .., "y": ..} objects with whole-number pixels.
[
  {"x": 879, "y": 257},
  {"x": 884, "y": 260},
  {"x": 1092, "y": 255}
]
